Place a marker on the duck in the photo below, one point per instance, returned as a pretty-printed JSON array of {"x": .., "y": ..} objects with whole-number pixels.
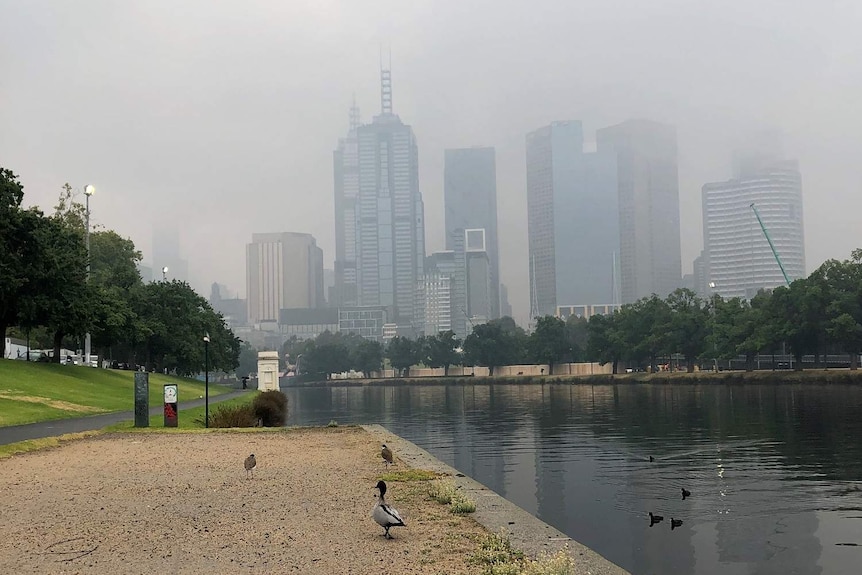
[
  {"x": 653, "y": 519},
  {"x": 651, "y": 458},
  {"x": 674, "y": 523},
  {"x": 685, "y": 493},
  {"x": 384, "y": 514},
  {"x": 386, "y": 454},
  {"x": 250, "y": 464}
]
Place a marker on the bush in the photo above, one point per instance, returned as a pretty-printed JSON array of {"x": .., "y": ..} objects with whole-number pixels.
[
  {"x": 233, "y": 416},
  {"x": 446, "y": 493},
  {"x": 270, "y": 408}
]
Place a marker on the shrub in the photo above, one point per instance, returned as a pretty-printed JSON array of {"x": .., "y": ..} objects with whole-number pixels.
[
  {"x": 270, "y": 408},
  {"x": 233, "y": 416},
  {"x": 446, "y": 493},
  {"x": 496, "y": 556},
  {"x": 560, "y": 563}
]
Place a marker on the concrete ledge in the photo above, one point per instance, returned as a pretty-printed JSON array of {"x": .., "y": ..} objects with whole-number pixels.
[{"x": 527, "y": 533}]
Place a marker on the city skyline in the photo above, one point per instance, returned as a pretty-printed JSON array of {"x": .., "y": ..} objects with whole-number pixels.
[{"x": 224, "y": 123}]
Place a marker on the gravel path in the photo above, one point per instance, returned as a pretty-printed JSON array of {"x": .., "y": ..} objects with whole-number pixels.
[{"x": 180, "y": 503}]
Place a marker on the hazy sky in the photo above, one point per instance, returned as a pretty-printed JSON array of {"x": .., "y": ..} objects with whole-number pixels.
[{"x": 221, "y": 117}]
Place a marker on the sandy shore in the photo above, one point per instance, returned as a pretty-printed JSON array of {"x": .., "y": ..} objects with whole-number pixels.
[{"x": 180, "y": 503}]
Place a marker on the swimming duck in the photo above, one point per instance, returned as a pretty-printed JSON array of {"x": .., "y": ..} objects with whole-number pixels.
[
  {"x": 385, "y": 515},
  {"x": 674, "y": 523},
  {"x": 685, "y": 493},
  {"x": 250, "y": 464},
  {"x": 386, "y": 454},
  {"x": 653, "y": 519}
]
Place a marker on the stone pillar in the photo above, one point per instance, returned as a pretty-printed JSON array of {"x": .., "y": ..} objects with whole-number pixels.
[{"x": 267, "y": 371}]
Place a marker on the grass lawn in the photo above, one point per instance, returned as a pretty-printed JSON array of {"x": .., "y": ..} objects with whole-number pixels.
[
  {"x": 32, "y": 392},
  {"x": 188, "y": 418}
]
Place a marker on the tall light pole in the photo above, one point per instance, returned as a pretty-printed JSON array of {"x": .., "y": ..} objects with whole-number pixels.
[
  {"x": 89, "y": 190},
  {"x": 714, "y": 341},
  {"x": 206, "y": 379},
  {"x": 165, "y": 274}
]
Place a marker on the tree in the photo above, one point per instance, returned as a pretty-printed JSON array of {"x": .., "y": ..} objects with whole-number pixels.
[
  {"x": 441, "y": 350},
  {"x": 402, "y": 354},
  {"x": 247, "y": 360},
  {"x": 605, "y": 343},
  {"x": 549, "y": 342},
  {"x": 489, "y": 345},
  {"x": 578, "y": 335},
  {"x": 366, "y": 356},
  {"x": 844, "y": 312},
  {"x": 688, "y": 325},
  {"x": 16, "y": 249}
]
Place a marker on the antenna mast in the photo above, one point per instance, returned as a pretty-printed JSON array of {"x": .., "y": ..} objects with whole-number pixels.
[{"x": 386, "y": 85}]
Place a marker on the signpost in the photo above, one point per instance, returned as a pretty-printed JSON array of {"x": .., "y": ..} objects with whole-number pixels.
[
  {"x": 171, "y": 415},
  {"x": 142, "y": 399}
]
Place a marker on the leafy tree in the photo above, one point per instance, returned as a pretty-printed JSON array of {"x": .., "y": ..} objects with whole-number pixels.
[
  {"x": 366, "y": 356},
  {"x": 402, "y": 354},
  {"x": 490, "y": 345},
  {"x": 247, "y": 360},
  {"x": 844, "y": 312},
  {"x": 606, "y": 340},
  {"x": 688, "y": 325},
  {"x": 17, "y": 252},
  {"x": 549, "y": 342},
  {"x": 578, "y": 335},
  {"x": 441, "y": 350}
]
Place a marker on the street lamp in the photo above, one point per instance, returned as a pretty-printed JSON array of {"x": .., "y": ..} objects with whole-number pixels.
[
  {"x": 89, "y": 190},
  {"x": 206, "y": 379},
  {"x": 714, "y": 341},
  {"x": 165, "y": 273}
]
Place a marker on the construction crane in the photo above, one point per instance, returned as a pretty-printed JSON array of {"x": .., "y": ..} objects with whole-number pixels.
[{"x": 769, "y": 239}]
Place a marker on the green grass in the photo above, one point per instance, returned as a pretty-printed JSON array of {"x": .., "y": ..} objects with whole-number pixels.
[
  {"x": 31, "y": 392},
  {"x": 187, "y": 418},
  {"x": 410, "y": 475}
]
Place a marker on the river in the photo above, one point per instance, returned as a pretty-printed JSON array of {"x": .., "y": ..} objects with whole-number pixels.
[{"x": 774, "y": 471}]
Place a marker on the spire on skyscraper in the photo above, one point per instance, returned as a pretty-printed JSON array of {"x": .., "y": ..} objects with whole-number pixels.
[
  {"x": 354, "y": 115},
  {"x": 385, "y": 85}
]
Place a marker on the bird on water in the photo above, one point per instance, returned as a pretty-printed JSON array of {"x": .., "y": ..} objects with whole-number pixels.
[
  {"x": 384, "y": 514},
  {"x": 653, "y": 519},
  {"x": 386, "y": 454},
  {"x": 250, "y": 464},
  {"x": 685, "y": 493},
  {"x": 674, "y": 523}
]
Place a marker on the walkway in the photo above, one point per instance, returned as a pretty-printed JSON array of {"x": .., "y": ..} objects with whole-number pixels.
[{"x": 55, "y": 427}]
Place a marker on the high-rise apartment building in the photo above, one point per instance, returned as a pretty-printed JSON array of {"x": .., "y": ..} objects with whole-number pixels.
[
  {"x": 470, "y": 198},
  {"x": 283, "y": 270},
  {"x": 648, "y": 186},
  {"x": 737, "y": 255},
  {"x": 572, "y": 220},
  {"x": 380, "y": 222}
]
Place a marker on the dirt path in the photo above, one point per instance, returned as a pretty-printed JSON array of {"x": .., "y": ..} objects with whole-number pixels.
[{"x": 180, "y": 503}]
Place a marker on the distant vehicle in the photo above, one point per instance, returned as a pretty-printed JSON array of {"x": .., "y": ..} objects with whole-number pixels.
[{"x": 35, "y": 355}]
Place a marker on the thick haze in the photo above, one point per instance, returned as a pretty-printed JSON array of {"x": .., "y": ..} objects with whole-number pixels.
[{"x": 221, "y": 117}]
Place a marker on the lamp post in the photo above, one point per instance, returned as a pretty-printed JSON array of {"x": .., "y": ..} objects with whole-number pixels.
[
  {"x": 206, "y": 379},
  {"x": 165, "y": 274},
  {"x": 714, "y": 341},
  {"x": 89, "y": 190}
]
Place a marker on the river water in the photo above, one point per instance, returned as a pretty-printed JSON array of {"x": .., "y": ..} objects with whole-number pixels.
[{"x": 774, "y": 471}]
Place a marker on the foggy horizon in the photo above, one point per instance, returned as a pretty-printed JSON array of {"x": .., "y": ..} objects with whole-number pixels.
[{"x": 221, "y": 121}]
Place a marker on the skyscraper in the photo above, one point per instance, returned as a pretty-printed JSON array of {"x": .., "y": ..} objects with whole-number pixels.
[
  {"x": 282, "y": 271},
  {"x": 470, "y": 198},
  {"x": 738, "y": 258},
  {"x": 573, "y": 220},
  {"x": 380, "y": 222},
  {"x": 648, "y": 181}
]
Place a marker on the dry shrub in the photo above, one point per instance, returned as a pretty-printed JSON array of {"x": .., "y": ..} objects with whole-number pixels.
[
  {"x": 270, "y": 408},
  {"x": 233, "y": 416}
]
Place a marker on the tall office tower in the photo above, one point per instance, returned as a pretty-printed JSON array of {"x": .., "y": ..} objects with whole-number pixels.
[
  {"x": 470, "y": 198},
  {"x": 573, "y": 223},
  {"x": 505, "y": 306},
  {"x": 380, "y": 222},
  {"x": 436, "y": 291},
  {"x": 282, "y": 271},
  {"x": 478, "y": 267},
  {"x": 166, "y": 254},
  {"x": 346, "y": 172},
  {"x": 650, "y": 260},
  {"x": 738, "y": 258}
]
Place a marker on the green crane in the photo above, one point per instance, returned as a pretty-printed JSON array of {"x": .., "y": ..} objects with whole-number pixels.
[{"x": 771, "y": 245}]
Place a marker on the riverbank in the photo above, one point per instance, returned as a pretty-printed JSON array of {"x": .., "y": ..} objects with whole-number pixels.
[
  {"x": 814, "y": 376},
  {"x": 180, "y": 502}
]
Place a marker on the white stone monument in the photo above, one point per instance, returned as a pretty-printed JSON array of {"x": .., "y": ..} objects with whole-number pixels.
[{"x": 267, "y": 371}]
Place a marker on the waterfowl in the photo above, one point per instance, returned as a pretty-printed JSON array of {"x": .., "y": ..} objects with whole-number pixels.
[
  {"x": 674, "y": 523},
  {"x": 653, "y": 519},
  {"x": 384, "y": 514},
  {"x": 685, "y": 493},
  {"x": 250, "y": 464},
  {"x": 386, "y": 454},
  {"x": 651, "y": 458}
]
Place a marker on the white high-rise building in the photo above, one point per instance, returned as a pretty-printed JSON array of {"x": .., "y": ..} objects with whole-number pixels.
[
  {"x": 282, "y": 271},
  {"x": 738, "y": 258}
]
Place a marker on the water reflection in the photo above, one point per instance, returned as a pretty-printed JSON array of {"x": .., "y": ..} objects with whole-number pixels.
[{"x": 772, "y": 469}]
